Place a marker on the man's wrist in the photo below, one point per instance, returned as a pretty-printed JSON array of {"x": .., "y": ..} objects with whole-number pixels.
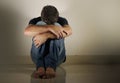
[
  {"x": 49, "y": 27},
  {"x": 49, "y": 35}
]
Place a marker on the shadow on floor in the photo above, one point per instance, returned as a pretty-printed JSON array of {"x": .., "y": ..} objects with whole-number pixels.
[{"x": 60, "y": 77}]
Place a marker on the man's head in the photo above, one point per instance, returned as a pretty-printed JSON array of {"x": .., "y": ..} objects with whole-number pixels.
[{"x": 49, "y": 14}]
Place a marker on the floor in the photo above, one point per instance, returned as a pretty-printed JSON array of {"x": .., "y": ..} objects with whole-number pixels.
[{"x": 65, "y": 74}]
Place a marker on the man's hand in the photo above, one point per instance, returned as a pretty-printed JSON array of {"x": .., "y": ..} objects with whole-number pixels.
[
  {"x": 39, "y": 39},
  {"x": 57, "y": 31}
]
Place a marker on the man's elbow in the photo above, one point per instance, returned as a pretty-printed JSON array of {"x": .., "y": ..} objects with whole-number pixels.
[
  {"x": 27, "y": 31},
  {"x": 70, "y": 32}
]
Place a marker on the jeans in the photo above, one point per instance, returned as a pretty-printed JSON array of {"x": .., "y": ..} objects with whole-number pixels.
[{"x": 50, "y": 54}]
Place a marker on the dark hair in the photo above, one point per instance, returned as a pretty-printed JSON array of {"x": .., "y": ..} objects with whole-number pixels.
[{"x": 49, "y": 14}]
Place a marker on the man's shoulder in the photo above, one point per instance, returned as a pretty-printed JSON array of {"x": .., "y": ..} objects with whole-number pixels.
[
  {"x": 35, "y": 20},
  {"x": 61, "y": 18},
  {"x": 62, "y": 21}
]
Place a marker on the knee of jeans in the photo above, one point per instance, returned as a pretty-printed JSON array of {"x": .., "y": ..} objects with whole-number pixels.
[
  {"x": 60, "y": 42},
  {"x": 59, "y": 46},
  {"x": 41, "y": 23},
  {"x": 57, "y": 24}
]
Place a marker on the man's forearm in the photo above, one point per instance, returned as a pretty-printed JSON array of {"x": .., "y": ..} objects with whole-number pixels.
[
  {"x": 61, "y": 31},
  {"x": 67, "y": 31},
  {"x": 50, "y": 35},
  {"x": 32, "y": 30}
]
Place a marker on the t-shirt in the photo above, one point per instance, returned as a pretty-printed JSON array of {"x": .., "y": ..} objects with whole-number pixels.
[{"x": 62, "y": 21}]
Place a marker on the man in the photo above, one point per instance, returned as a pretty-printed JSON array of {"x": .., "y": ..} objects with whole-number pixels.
[{"x": 48, "y": 33}]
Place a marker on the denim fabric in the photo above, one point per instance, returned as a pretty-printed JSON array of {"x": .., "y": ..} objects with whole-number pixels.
[{"x": 50, "y": 54}]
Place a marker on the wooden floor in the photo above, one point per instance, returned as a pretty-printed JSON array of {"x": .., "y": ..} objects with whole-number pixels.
[{"x": 65, "y": 74}]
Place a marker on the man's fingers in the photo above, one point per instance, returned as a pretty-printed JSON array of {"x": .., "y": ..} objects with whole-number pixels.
[
  {"x": 61, "y": 35},
  {"x": 65, "y": 32},
  {"x": 35, "y": 42},
  {"x": 37, "y": 45},
  {"x": 34, "y": 39},
  {"x": 55, "y": 33}
]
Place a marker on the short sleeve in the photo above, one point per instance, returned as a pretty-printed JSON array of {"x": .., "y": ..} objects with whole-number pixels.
[
  {"x": 34, "y": 20},
  {"x": 62, "y": 21}
]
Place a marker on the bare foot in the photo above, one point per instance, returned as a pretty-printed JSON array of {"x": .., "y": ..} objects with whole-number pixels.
[
  {"x": 40, "y": 73},
  {"x": 50, "y": 72}
]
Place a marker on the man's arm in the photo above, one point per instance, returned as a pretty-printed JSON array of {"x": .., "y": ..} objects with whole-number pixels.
[
  {"x": 32, "y": 30},
  {"x": 41, "y": 38},
  {"x": 67, "y": 29},
  {"x": 61, "y": 31}
]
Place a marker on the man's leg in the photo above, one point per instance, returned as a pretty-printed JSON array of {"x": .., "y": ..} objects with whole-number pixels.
[
  {"x": 37, "y": 55},
  {"x": 38, "y": 58},
  {"x": 55, "y": 57},
  {"x": 56, "y": 48}
]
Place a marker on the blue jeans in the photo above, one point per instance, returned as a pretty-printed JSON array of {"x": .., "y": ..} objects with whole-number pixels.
[{"x": 50, "y": 54}]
